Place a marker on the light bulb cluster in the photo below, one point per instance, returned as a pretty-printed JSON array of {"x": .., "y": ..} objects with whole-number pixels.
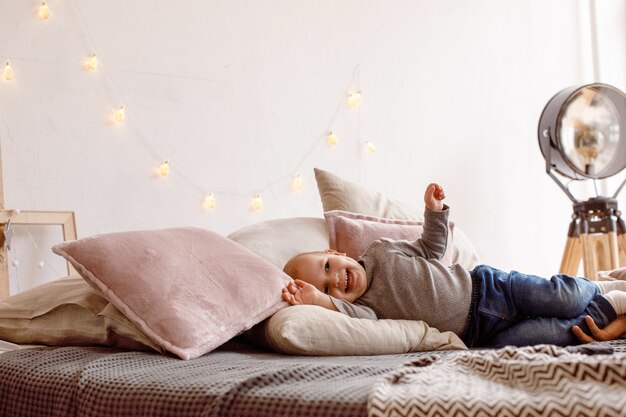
[{"x": 354, "y": 99}]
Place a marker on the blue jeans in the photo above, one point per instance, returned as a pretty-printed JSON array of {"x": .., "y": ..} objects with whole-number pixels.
[{"x": 511, "y": 308}]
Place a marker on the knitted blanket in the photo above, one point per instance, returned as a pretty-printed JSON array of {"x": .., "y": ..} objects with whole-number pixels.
[{"x": 589, "y": 380}]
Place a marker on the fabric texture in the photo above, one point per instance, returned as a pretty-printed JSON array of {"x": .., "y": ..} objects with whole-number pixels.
[
  {"x": 352, "y": 233},
  {"x": 237, "y": 381},
  {"x": 512, "y": 308},
  {"x": 619, "y": 273},
  {"x": 339, "y": 194},
  {"x": 541, "y": 380},
  {"x": 68, "y": 312},
  {"x": 314, "y": 330},
  {"x": 278, "y": 240},
  {"x": 187, "y": 289},
  {"x": 232, "y": 381}
]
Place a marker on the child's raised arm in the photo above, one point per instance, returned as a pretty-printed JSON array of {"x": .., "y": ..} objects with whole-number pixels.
[{"x": 433, "y": 197}]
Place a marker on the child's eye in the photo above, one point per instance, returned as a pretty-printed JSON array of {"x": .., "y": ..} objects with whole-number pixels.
[{"x": 327, "y": 266}]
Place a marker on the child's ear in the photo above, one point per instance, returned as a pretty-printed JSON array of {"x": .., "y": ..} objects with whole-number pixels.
[{"x": 334, "y": 252}]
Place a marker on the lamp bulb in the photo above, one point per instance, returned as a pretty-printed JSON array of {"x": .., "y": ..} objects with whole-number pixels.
[
  {"x": 7, "y": 74},
  {"x": 119, "y": 115},
  {"x": 164, "y": 168},
  {"x": 297, "y": 183},
  {"x": 209, "y": 201},
  {"x": 257, "y": 202},
  {"x": 91, "y": 63},
  {"x": 331, "y": 138},
  {"x": 15, "y": 263},
  {"x": 41, "y": 264},
  {"x": 43, "y": 11},
  {"x": 589, "y": 142},
  {"x": 369, "y": 147},
  {"x": 354, "y": 99}
]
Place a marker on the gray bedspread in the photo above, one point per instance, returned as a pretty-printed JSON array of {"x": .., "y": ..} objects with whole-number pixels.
[
  {"x": 235, "y": 380},
  {"x": 239, "y": 380}
]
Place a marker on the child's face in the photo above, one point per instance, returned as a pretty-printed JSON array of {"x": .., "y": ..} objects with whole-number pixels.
[{"x": 334, "y": 274}]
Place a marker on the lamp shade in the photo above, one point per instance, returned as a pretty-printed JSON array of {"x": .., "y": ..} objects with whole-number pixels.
[{"x": 582, "y": 131}]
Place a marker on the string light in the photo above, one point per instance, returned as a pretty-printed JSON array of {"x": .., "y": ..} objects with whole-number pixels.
[
  {"x": 354, "y": 99},
  {"x": 43, "y": 11},
  {"x": 7, "y": 74},
  {"x": 41, "y": 264},
  {"x": 297, "y": 183},
  {"x": 209, "y": 201},
  {"x": 91, "y": 63},
  {"x": 119, "y": 115},
  {"x": 164, "y": 168},
  {"x": 331, "y": 138},
  {"x": 369, "y": 147},
  {"x": 257, "y": 202}
]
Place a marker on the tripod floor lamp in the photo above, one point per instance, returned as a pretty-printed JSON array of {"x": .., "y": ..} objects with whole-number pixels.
[{"x": 582, "y": 135}]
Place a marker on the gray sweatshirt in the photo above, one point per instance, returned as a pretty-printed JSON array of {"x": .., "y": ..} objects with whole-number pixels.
[{"x": 406, "y": 280}]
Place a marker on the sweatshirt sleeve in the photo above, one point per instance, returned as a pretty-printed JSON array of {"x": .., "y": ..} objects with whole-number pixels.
[
  {"x": 353, "y": 310},
  {"x": 434, "y": 240}
]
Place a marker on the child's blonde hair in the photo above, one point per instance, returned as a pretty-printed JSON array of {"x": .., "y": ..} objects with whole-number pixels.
[{"x": 290, "y": 266}]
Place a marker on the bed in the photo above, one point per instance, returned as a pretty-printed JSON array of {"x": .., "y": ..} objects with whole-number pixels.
[{"x": 125, "y": 338}]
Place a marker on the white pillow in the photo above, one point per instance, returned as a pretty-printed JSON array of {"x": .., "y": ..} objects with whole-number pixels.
[
  {"x": 279, "y": 240},
  {"x": 313, "y": 330}
]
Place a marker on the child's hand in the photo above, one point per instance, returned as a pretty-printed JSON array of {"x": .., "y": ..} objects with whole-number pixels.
[
  {"x": 300, "y": 292},
  {"x": 433, "y": 197},
  {"x": 614, "y": 330}
]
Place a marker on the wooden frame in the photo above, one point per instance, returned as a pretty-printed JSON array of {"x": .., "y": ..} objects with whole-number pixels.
[{"x": 65, "y": 219}]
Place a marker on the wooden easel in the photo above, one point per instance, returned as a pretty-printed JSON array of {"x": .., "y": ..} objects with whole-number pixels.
[
  {"x": 65, "y": 219},
  {"x": 597, "y": 236}
]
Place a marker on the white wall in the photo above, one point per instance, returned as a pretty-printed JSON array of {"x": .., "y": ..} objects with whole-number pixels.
[{"x": 239, "y": 94}]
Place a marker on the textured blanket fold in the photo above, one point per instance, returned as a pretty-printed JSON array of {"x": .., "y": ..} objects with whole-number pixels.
[{"x": 533, "y": 381}]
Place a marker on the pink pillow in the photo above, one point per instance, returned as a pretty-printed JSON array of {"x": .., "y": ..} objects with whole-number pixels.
[
  {"x": 187, "y": 289},
  {"x": 352, "y": 233}
]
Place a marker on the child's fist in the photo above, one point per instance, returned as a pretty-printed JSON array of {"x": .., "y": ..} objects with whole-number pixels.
[{"x": 433, "y": 197}]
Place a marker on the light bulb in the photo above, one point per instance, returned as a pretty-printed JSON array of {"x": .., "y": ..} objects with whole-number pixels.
[
  {"x": 15, "y": 263},
  {"x": 589, "y": 142},
  {"x": 8, "y": 72},
  {"x": 257, "y": 202},
  {"x": 41, "y": 264},
  {"x": 354, "y": 99},
  {"x": 119, "y": 115},
  {"x": 297, "y": 183},
  {"x": 369, "y": 147},
  {"x": 164, "y": 168},
  {"x": 209, "y": 201},
  {"x": 43, "y": 11},
  {"x": 331, "y": 138},
  {"x": 91, "y": 63}
]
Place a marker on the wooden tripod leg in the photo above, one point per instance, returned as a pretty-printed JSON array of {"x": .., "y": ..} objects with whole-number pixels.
[
  {"x": 589, "y": 257},
  {"x": 571, "y": 256},
  {"x": 614, "y": 250},
  {"x": 621, "y": 243}
]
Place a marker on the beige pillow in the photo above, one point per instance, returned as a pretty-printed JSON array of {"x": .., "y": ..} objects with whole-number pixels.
[
  {"x": 68, "y": 312},
  {"x": 313, "y": 330},
  {"x": 339, "y": 194},
  {"x": 188, "y": 289},
  {"x": 619, "y": 273}
]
